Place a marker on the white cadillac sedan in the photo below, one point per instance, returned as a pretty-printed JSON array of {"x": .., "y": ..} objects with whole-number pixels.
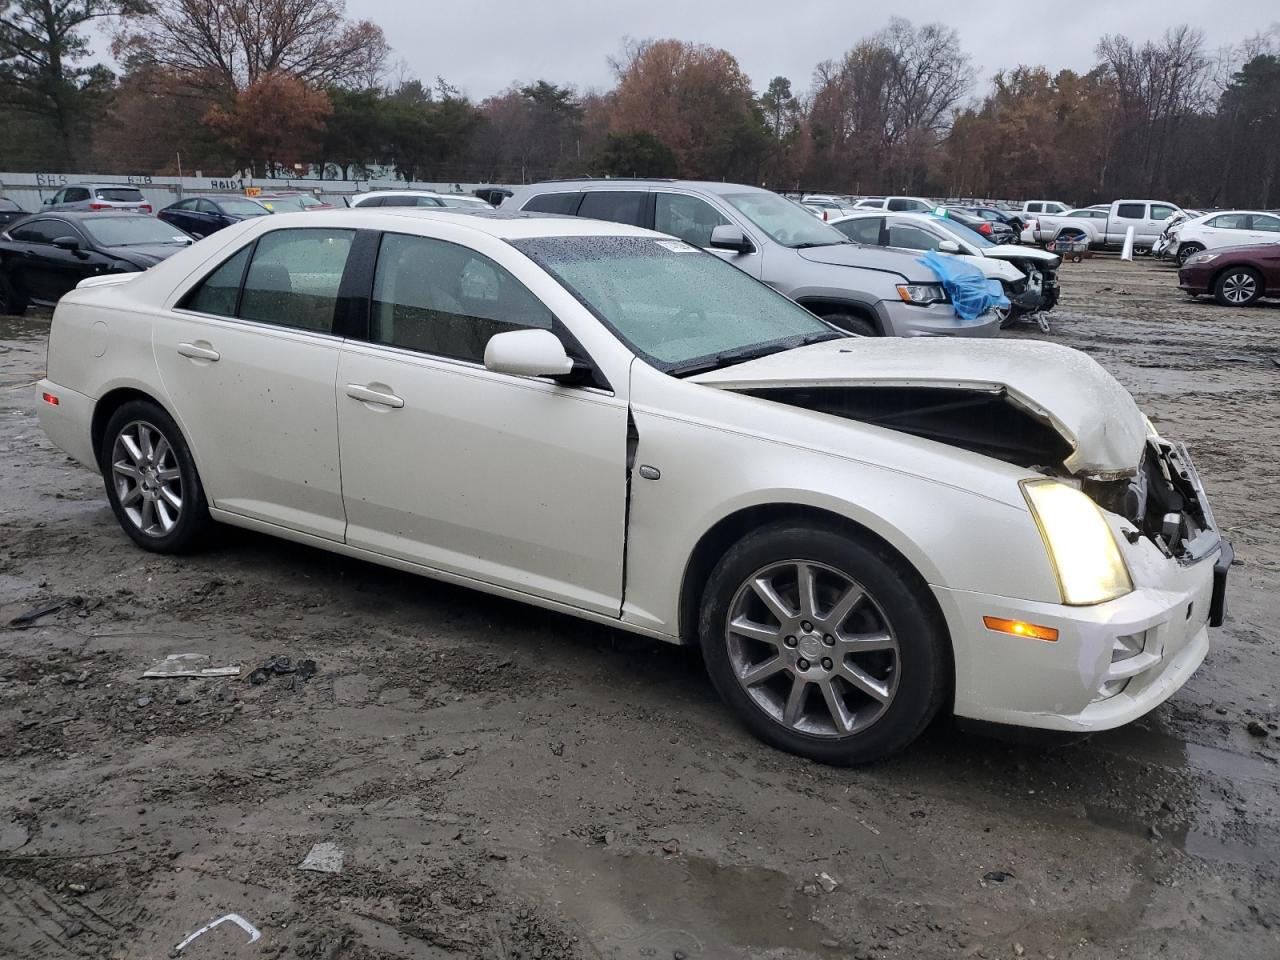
[{"x": 859, "y": 533}]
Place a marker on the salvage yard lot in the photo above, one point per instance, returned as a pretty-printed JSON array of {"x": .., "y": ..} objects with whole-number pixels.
[{"x": 506, "y": 782}]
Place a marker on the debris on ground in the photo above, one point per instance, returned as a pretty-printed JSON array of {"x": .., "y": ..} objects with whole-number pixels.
[
  {"x": 828, "y": 882},
  {"x": 282, "y": 666},
  {"x": 188, "y": 665},
  {"x": 1256, "y": 728},
  {"x": 254, "y": 933},
  {"x": 31, "y": 616},
  {"x": 323, "y": 858},
  {"x": 998, "y": 876}
]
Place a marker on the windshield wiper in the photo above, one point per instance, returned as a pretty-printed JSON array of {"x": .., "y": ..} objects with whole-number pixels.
[
  {"x": 810, "y": 244},
  {"x": 730, "y": 357}
]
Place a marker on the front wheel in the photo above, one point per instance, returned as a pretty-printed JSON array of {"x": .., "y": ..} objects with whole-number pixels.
[
  {"x": 825, "y": 646},
  {"x": 151, "y": 479},
  {"x": 1238, "y": 287}
]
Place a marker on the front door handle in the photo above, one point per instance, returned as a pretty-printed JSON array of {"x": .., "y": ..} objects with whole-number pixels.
[
  {"x": 199, "y": 351},
  {"x": 369, "y": 395}
]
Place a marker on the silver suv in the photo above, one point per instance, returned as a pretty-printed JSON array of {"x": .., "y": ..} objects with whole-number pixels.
[
  {"x": 98, "y": 196},
  {"x": 861, "y": 289}
]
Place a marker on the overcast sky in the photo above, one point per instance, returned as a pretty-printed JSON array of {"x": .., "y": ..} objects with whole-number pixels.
[{"x": 483, "y": 45}]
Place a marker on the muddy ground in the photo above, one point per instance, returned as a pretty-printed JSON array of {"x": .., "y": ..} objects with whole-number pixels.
[{"x": 509, "y": 783}]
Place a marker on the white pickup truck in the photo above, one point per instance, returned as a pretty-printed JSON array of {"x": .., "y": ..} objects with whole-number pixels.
[{"x": 1106, "y": 228}]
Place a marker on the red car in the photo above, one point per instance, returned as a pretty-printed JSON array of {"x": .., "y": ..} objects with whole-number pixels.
[{"x": 1236, "y": 276}]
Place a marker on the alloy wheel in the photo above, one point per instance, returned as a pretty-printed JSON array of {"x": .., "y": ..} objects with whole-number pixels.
[
  {"x": 812, "y": 649},
  {"x": 147, "y": 479},
  {"x": 1239, "y": 288}
]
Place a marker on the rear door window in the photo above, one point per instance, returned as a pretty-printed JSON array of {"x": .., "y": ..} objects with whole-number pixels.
[
  {"x": 621, "y": 206},
  {"x": 293, "y": 278},
  {"x": 75, "y": 195},
  {"x": 1035, "y": 207},
  {"x": 1131, "y": 211},
  {"x": 566, "y": 203},
  {"x": 689, "y": 218},
  {"x": 205, "y": 206}
]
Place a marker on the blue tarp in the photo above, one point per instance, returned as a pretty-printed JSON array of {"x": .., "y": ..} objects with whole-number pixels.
[{"x": 971, "y": 293}]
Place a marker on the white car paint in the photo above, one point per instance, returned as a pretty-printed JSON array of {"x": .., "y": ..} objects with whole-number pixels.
[
  {"x": 993, "y": 268},
  {"x": 425, "y": 198},
  {"x": 1225, "y": 228},
  {"x": 519, "y": 486}
]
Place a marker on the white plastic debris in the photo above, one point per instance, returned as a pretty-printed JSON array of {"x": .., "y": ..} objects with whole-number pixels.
[
  {"x": 828, "y": 882},
  {"x": 1127, "y": 252},
  {"x": 323, "y": 858},
  {"x": 253, "y": 932},
  {"x": 188, "y": 665}
]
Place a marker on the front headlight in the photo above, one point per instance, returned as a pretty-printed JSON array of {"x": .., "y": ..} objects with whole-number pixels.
[
  {"x": 1080, "y": 544},
  {"x": 1202, "y": 258},
  {"x": 922, "y": 294}
]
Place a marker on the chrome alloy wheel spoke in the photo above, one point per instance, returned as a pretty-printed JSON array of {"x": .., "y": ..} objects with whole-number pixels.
[{"x": 812, "y": 649}]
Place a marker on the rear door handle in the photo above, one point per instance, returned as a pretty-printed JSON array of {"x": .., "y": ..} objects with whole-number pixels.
[
  {"x": 198, "y": 351},
  {"x": 368, "y": 395}
]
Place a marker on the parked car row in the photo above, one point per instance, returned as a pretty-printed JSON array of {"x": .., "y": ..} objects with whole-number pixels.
[{"x": 93, "y": 230}]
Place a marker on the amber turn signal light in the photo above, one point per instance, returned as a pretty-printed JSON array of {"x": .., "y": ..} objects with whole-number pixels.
[{"x": 1020, "y": 629}]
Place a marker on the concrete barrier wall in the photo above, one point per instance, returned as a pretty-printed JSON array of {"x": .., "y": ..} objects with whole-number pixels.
[{"x": 29, "y": 190}]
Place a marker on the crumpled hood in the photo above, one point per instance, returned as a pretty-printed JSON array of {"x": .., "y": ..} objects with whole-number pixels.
[
  {"x": 1009, "y": 251},
  {"x": 1061, "y": 387},
  {"x": 871, "y": 258}
]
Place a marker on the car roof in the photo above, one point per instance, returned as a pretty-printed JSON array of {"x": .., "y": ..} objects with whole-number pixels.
[
  {"x": 622, "y": 183},
  {"x": 86, "y": 215},
  {"x": 502, "y": 224}
]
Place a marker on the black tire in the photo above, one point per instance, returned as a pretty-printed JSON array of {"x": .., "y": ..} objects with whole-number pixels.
[
  {"x": 12, "y": 303},
  {"x": 1238, "y": 287},
  {"x": 1188, "y": 250},
  {"x": 192, "y": 521},
  {"x": 921, "y": 674},
  {"x": 854, "y": 324}
]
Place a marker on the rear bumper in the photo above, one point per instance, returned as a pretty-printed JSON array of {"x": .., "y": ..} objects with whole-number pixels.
[
  {"x": 69, "y": 424},
  {"x": 1064, "y": 685},
  {"x": 938, "y": 320}
]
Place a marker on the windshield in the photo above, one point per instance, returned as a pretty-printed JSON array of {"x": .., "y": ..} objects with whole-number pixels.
[
  {"x": 960, "y": 230},
  {"x": 113, "y": 231},
  {"x": 243, "y": 208},
  {"x": 679, "y": 308},
  {"x": 785, "y": 222}
]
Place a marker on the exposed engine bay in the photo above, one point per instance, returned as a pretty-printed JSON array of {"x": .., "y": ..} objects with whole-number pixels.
[{"x": 1162, "y": 497}]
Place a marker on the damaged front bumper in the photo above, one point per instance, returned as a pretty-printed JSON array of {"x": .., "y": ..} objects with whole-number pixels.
[
  {"x": 1111, "y": 662},
  {"x": 1038, "y": 292}
]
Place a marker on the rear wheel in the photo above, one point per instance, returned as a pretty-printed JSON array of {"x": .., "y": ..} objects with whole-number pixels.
[
  {"x": 1238, "y": 287},
  {"x": 151, "y": 479},
  {"x": 1187, "y": 251},
  {"x": 847, "y": 321},
  {"x": 12, "y": 304},
  {"x": 825, "y": 646}
]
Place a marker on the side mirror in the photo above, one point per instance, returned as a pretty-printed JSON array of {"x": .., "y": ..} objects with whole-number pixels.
[
  {"x": 527, "y": 353},
  {"x": 67, "y": 243},
  {"x": 46, "y": 201},
  {"x": 948, "y": 246},
  {"x": 728, "y": 237}
]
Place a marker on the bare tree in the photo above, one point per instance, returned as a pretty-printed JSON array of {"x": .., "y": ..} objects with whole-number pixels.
[{"x": 231, "y": 45}]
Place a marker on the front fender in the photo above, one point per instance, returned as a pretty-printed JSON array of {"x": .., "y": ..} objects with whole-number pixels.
[{"x": 958, "y": 518}]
